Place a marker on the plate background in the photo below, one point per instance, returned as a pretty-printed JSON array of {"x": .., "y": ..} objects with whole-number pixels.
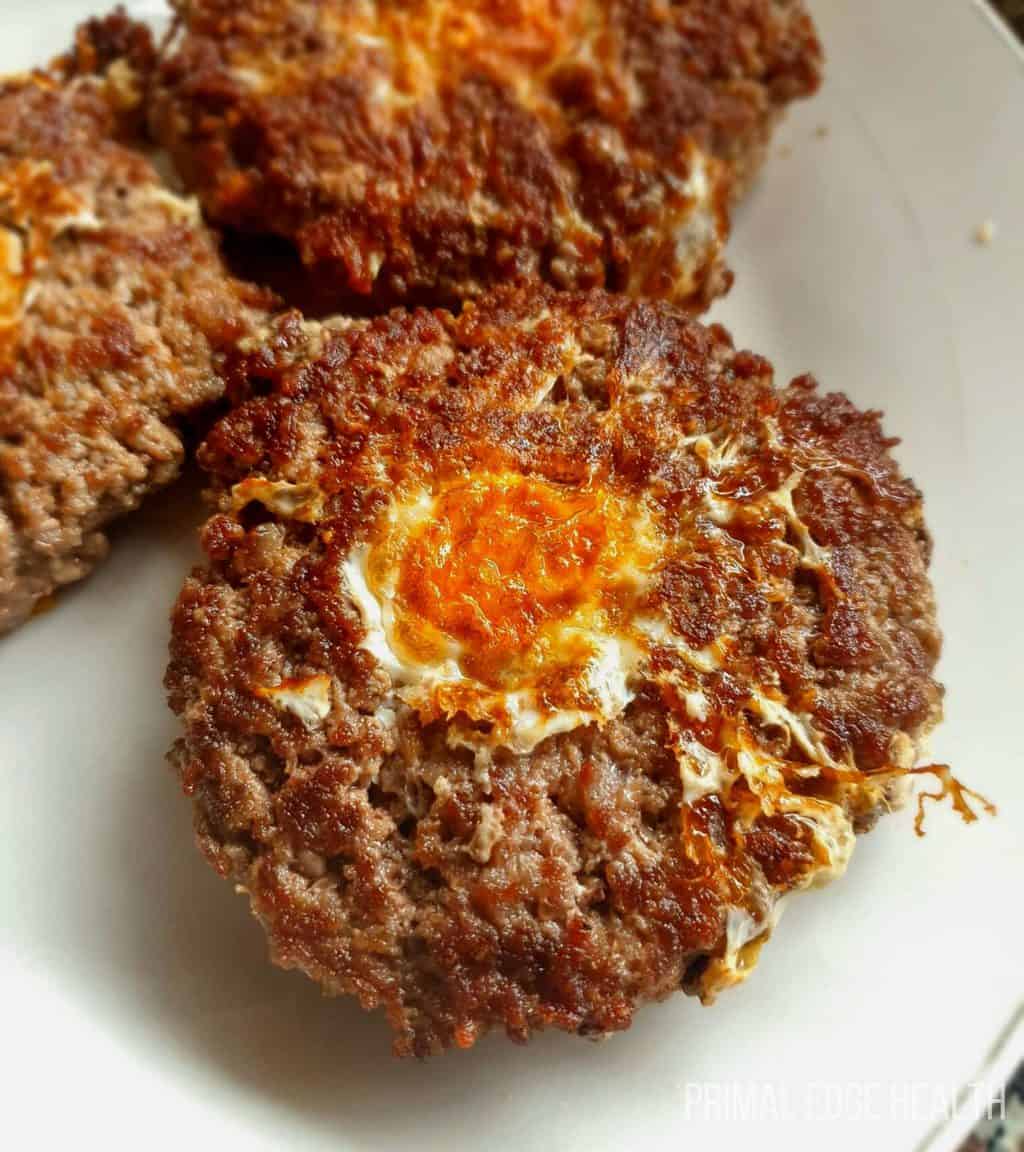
[{"x": 136, "y": 997}]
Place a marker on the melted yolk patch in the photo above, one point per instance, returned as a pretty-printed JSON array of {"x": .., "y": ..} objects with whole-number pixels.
[
  {"x": 501, "y": 561},
  {"x": 505, "y": 601}
]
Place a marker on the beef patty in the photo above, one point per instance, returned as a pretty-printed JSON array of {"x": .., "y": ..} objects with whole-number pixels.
[
  {"x": 113, "y": 310},
  {"x": 418, "y": 152},
  {"x": 539, "y": 652}
]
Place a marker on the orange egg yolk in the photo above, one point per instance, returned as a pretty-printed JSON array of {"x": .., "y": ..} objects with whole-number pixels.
[{"x": 501, "y": 561}]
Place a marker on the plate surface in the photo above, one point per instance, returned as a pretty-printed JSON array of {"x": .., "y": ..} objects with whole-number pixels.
[{"x": 137, "y": 1001}]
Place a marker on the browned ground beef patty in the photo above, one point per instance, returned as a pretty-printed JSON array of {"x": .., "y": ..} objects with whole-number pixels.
[
  {"x": 420, "y": 150},
  {"x": 689, "y": 638},
  {"x": 113, "y": 310}
]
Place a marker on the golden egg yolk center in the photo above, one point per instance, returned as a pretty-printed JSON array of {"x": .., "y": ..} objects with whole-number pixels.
[{"x": 499, "y": 560}]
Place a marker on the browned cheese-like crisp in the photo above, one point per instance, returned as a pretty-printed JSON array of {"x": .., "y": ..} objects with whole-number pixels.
[
  {"x": 417, "y": 151},
  {"x": 113, "y": 309},
  {"x": 539, "y": 652}
]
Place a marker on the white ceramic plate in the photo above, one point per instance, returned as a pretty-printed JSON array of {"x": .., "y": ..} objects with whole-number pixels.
[{"x": 137, "y": 1003}]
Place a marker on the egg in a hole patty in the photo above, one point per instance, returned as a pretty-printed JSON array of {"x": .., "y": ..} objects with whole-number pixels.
[{"x": 540, "y": 653}]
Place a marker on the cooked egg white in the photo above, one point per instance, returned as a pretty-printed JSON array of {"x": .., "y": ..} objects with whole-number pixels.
[
  {"x": 690, "y": 217},
  {"x": 745, "y": 935},
  {"x": 309, "y": 699},
  {"x": 179, "y": 207},
  {"x": 303, "y": 502},
  {"x": 698, "y": 230}
]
